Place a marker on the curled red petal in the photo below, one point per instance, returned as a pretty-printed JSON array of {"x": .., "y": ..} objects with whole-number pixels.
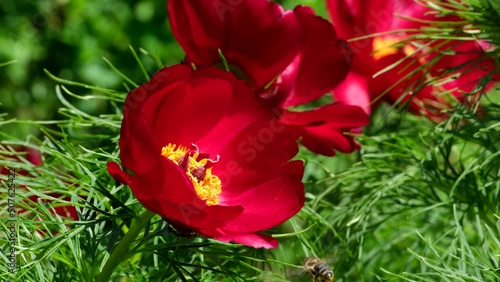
[
  {"x": 117, "y": 173},
  {"x": 326, "y": 129},
  {"x": 257, "y": 36},
  {"x": 336, "y": 114},
  {"x": 322, "y": 63}
]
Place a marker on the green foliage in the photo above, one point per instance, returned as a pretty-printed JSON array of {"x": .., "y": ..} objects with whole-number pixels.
[
  {"x": 422, "y": 203},
  {"x": 70, "y": 38},
  {"x": 480, "y": 20}
]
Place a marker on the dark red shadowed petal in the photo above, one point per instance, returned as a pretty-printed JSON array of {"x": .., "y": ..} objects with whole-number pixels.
[
  {"x": 139, "y": 152},
  {"x": 160, "y": 84},
  {"x": 322, "y": 129},
  {"x": 255, "y": 35},
  {"x": 324, "y": 140},
  {"x": 323, "y": 61},
  {"x": 338, "y": 114},
  {"x": 118, "y": 174}
]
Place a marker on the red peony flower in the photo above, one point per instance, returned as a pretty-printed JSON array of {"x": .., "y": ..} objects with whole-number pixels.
[
  {"x": 418, "y": 61},
  {"x": 35, "y": 158},
  {"x": 289, "y": 57},
  {"x": 200, "y": 150},
  {"x": 64, "y": 211},
  {"x": 31, "y": 155},
  {"x": 257, "y": 37}
]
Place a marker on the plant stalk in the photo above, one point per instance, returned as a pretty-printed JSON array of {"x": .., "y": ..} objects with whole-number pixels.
[{"x": 120, "y": 251}]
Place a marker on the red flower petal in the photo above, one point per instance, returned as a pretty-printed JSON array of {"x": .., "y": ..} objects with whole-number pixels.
[
  {"x": 249, "y": 239},
  {"x": 356, "y": 18},
  {"x": 34, "y": 157},
  {"x": 354, "y": 91},
  {"x": 255, "y": 35},
  {"x": 161, "y": 82},
  {"x": 189, "y": 116},
  {"x": 174, "y": 197},
  {"x": 322, "y": 63},
  {"x": 267, "y": 199},
  {"x": 345, "y": 15},
  {"x": 322, "y": 129},
  {"x": 468, "y": 64},
  {"x": 339, "y": 115},
  {"x": 118, "y": 174}
]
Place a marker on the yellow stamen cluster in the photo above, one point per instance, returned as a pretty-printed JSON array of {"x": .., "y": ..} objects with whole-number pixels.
[
  {"x": 383, "y": 47},
  {"x": 207, "y": 186}
]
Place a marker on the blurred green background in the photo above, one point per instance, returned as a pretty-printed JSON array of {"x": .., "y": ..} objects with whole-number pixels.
[{"x": 70, "y": 38}]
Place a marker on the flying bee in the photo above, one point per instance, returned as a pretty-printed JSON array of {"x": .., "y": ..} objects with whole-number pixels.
[{"x": 318, "y": 270}]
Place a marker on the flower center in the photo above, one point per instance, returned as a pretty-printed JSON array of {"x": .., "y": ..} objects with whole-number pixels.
[
  {"x": 383, "y": 47},
  {"x": 207, "y": 186}
]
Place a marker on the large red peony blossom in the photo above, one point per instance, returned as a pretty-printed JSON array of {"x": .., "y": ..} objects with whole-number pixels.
[
  {"x": 289, "y": 57},
  {"x": 200, "y": 150},
  {"x": 412, "y": 64}
]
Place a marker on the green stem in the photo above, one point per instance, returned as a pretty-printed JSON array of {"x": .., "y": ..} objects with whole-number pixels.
[{"x": 120, "y": 251}]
